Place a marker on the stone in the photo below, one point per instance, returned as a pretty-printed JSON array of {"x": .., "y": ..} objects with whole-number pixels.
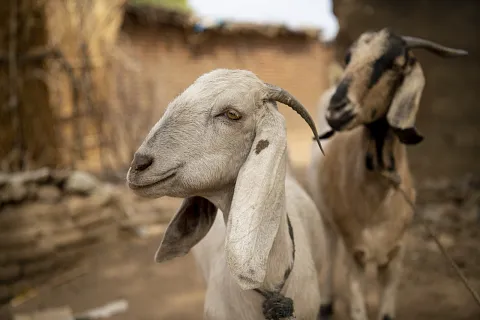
[
  {"x": 63, "y": 313},
  {"x": 48, "y": 194},
  {"x": 80, "y": 182},
  {"x": 67, "y": 239},
  {"x": 19, "y": 238},
  {"x": 11, "y": 218},
  {"x": 38, "y": 267},
  {"x": 14, "y": 192},
  {"x": 103, "y": 232},
  {"x": 106, "y": 311},
  {"x": 93, "y": 218},
  {"x": 149, "y": 231},
  {"x": 38, "y": 176},
  {"x": 51, "y": 227},
  {"x": 59, "y": 177},
  {"x": 78, "y": 206},
  {"x": 9, "y": 272},
  {"x": 4, "y": 178},
  {"x": 39, "y": 251},
  {"x": 43, "y": 211},
  {"x": 140, "y": 219}
]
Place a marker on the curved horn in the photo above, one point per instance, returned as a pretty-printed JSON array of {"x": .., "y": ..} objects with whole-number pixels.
[
  {"x": 433, "y": 47},
  {"x": 281, "y": 95}
]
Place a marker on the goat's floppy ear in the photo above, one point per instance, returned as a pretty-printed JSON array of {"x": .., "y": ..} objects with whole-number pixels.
[
  {"x": 189, "y": 225},
  {"x": 403, "y": 110},
  {"x": 258, "y": 201}
]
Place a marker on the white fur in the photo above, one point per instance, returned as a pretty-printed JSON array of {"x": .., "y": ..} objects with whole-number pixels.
[{"x": 241, "y": 168}]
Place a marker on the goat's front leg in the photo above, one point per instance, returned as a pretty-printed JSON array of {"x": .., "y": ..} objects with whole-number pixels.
[
  {"x": 391, "y": 280},
  {"x": 358, "y": 310},
  {"x": 327, "y": 274}
]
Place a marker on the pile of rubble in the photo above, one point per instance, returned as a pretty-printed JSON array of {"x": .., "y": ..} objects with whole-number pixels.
[{"x": 50, "y": 218}]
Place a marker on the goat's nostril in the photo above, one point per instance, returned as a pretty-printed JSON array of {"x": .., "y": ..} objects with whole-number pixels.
[
  {"x": 339, "y": 106},
  {"x": 141, "y": 162}
]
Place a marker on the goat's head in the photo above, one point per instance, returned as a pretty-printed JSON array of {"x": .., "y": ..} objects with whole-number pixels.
[
  {"x": 223, "y": 132},
  {"x": 382, "y": 78}
]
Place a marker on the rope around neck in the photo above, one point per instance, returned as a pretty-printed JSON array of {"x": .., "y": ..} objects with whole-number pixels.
[{"x": 276, "y": 306}]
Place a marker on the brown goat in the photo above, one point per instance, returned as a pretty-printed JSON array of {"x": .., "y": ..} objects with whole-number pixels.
[{"x": 371, "y": 112}]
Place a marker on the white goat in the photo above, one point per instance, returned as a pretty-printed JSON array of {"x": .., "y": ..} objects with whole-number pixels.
[
  {"x": 372, "y": 109},
  {"x": 222, "y": 144}
]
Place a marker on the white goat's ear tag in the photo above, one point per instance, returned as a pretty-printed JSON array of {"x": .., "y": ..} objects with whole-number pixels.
[
  {"x": 189, "y": 225},
  {"x": 258, "y": 203},
  {"x": 405, "y": 104}
]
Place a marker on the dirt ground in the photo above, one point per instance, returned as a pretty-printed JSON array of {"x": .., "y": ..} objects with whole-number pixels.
[{"x": 174, "y": 290}]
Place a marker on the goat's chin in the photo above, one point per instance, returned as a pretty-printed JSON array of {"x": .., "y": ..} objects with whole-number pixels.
[
  {"x": 348, "y": 126},
  {"x": 150, "y": 192}
]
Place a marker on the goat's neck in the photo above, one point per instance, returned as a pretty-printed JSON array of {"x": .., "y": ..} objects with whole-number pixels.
[
  {"x": 384, "y": 152},
  {"x": 281, "y": 254}
]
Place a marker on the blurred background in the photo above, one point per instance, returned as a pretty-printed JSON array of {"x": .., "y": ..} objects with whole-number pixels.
[{"x": 83, "y": 81}]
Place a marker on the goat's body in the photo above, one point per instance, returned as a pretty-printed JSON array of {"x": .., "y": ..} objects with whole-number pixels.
[
  {"x": 226, "y": 300},
  {"x": 361, "y": 207},
  {"x": 357, "y": 199}
]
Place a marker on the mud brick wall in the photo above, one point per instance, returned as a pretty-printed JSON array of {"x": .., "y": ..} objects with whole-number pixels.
[{"x": 158, "y": 63}]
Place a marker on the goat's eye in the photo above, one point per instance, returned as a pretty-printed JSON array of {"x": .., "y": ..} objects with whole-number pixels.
[{"x": 232, "y": 114}]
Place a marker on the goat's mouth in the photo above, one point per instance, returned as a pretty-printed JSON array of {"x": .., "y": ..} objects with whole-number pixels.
[
  {"x": 162, "y": 178},
  {"x": 339, "y": 121}
]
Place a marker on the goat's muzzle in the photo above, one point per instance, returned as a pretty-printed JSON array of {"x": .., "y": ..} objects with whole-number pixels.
[{"x": 339, "y": 115}]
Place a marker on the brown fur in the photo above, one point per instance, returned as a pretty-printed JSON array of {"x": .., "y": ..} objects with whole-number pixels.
[
  {"x": 366, "y": 214},
  {"x": 371, "y": 108},
  {"x": 362, "y": 208},
  {"x": 357, "y": 198}
]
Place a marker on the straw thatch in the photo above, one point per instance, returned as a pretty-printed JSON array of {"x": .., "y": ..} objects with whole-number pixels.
[
  {"x": 25, "y": 113},
  {"x": 158, "y": 16},
  {"x": 88, "y": 34},
  {"x": 54, "y": 89}
]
